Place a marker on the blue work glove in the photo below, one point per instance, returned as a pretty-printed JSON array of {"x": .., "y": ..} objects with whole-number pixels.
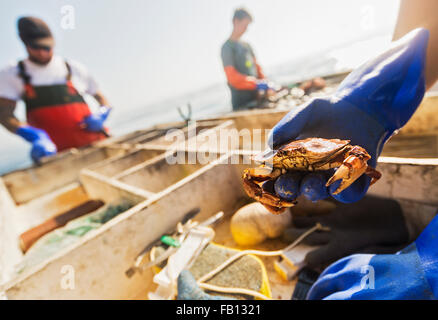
[
  {"x": 411, "y": 273},
  {"x": 373, "y": 102},
  {"x": 94, "y": 122},
  {"x": 42, "y": 145},
  {"x": 263, "y": 85},
  {"x": 188, "y": 289}
]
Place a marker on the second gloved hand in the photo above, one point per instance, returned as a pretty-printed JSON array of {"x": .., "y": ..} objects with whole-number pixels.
[
  {"x": 264, "y": 85},
  {"x": 42, "y": 145},
  {"x": 95, "y": 121},
  {"x": 372, "y": 103},
  {"x": 188, "y": 289}
]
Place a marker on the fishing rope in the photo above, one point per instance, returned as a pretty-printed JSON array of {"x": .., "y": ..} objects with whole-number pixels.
[{"x": 201, "y": 280}]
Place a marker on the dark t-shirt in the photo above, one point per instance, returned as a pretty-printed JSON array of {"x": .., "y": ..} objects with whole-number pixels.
[{"x": 241, "y": 56}]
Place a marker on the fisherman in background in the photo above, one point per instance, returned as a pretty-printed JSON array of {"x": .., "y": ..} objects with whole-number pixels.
[
  {"x": 52, "y": 89},
  {"x": 244, "y": 75}
]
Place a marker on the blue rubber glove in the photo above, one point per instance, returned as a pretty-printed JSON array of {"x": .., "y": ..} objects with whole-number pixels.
[
  {"x": 188, "y": 289},
  {"x": 370, "y": 104},
  {"x": 409, "y": 274},
  {"x": 263, "y": 85},
  {"x": 42, "y": 145},
  {"x": 94, "y": 122}
]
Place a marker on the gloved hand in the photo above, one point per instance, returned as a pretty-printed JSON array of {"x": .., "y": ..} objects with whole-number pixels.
[
  {"x": 411, "y": 273},
  {"x": 94, "y": 122},
  {"x": 263, "y": 85},
  {"x": 188, "y": 289},
  {"x": 42, "y": 145},
  {"x": 371, "y": 225},
  {"x": 372, "y": 103}
]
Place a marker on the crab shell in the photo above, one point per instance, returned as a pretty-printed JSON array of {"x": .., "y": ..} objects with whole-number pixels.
[{"x": 312, "y": 154}]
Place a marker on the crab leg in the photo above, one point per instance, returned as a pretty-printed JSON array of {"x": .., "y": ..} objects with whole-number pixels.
[
  {"x": 262, "y": 173},
  {"x": 373, "y": 173},
  {"x": 351, "y": 169}
]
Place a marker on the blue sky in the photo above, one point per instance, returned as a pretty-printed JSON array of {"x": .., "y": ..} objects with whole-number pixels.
[{"x": 144, "y": 51}]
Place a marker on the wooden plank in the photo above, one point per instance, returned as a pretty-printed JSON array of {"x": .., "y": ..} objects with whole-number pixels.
[
  {"x": 108, "y": 189},
  {"x": 100, "y": 259},
  {"x": 114, "y": 166},
  {"x": 9, "y": 254},
  {"x": 412, "y": 146},
  {"x": 36, "y": 211},
  {"x": 25, "y": 185},
  {"x": 424, "y": 120},
  {"x": 408, "y": 178}
]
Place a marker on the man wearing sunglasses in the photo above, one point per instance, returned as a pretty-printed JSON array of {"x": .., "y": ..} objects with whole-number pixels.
[{"x": 52, "y": 89}]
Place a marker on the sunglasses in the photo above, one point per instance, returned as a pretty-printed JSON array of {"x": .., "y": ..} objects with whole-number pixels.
[{"x": 40, "y": 47}]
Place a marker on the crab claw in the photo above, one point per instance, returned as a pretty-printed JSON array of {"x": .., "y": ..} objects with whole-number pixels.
[
  {"x": 252, "y": 179},
  {"x": 351, "y": 169}
]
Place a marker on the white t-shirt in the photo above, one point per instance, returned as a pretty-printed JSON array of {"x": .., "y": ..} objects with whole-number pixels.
[{"x": 55, "y": 72}]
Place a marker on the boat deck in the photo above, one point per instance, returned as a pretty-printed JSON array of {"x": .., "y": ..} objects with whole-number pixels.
[{"x": 136, "y": 167}]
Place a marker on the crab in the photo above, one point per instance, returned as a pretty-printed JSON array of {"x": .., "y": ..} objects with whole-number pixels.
[{"x": 312, "y": 154}]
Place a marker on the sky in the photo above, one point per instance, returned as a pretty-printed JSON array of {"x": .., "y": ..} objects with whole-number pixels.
[{"x": 144, "y": 51}]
